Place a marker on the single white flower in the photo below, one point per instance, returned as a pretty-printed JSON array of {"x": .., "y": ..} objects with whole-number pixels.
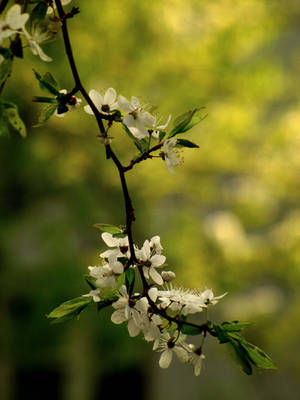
[
  {"x": 158, "y": 128},
  {"x": 150, "y": 262},
  {"x": 53, "y": 6},
  {"x": 209, "y": 298},
  {"x": 38, "y": 35},
  {"x": 137, "y": 120},
  {"x": 167, "y": 345},
  {"x": 170, "y": 155},
  {"x": 120, "y": 246},
  {"x": 181, "y": 300},
  {"x": 95, "y": 294},
  {"x": 72, "y": 104},
  {"x": 196, "y": 358},
  {"x": 13, "y": 21},
  {"x": 104, "y": 276},
  {"x": 105, "y": 104},
  {"x": 131, "y": 310}
]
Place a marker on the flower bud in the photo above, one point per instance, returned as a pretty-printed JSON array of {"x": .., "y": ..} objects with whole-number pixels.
[{"x": 168, "y": 276}]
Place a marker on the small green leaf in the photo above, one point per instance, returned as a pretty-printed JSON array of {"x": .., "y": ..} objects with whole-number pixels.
[
  {"x": 47, "y": 83},
  {"x": 90, "y": 282},
  {"x": 46, "y": 113},
  {"x": 70, "y": 309},
  {"x": 186, "y": 143},
  {"x": 186, "y": 121},
  {"x": 234, "y": 326},
  {"x": 119, "y": 235},
  {"x": 120, "y": 282},
  {"x": 11, "y": 114},
  {"x": 191, "y": 330},
  {"x": 161, "y": 135},
  {"x": 130, "y": 280},
  {"x": 39, "y": 12},
  {"x": 112, "y": 229},
  {"x": 239, "y": 356},
  {"x": 258, "y": 357},
  {"x": 5, "y": 69},
  {"x": 221, "y": 334},
  {"x": 43, "y": 99}
]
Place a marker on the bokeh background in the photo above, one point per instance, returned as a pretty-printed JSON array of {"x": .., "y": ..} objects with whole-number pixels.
[{"x": 229, "y": 219}]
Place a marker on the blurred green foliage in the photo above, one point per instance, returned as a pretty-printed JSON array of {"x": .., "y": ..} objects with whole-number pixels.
[{"x": 229, "y": 219}]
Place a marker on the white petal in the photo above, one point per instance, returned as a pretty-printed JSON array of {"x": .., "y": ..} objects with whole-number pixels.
[
  {"x": 169, "y": 166},
  {"x": 181, "y": 354},
  {"x": 133, "y": 329},
  {"x": 129, "y": 121},
  {"x": 155, "y": 276},
  {"x": 88, "y": 110},
  {"x": 146, "y": 272},
  {"x": 165, "y": 358},
  {"x": 161, "y": 127},
  {"x": 110, "y": 96},
  {"x": 118, "y": 317},
  {"x": 157, "y": 260},
  {"x": 109, "y": 239},
  {"x": 153, "y": 293},
  {"x": 124, "y": 104},
  {"x": 96, "y": 98},
  {"x": 117, "y": 267},
  {"x": 135, "y": 102}
]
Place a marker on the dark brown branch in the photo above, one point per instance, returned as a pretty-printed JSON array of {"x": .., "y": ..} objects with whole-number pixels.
[
  {"x": 142, "y": 157},
  {"x": 99, "y": 117}
]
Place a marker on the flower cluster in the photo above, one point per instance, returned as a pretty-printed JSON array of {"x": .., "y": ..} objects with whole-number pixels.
[
  {"x": 158, "y": 311},
  {"x": 14, "y": 24}
]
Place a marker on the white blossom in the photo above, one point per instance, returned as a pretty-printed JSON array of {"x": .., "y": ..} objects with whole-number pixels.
[
  {"x": 37, "y": 36},
  {"x": 170, "y": 155},
  {"x": 196, "y": 358},
  {"x": 105, "y": 104},
  {"x": 150, "y": 262},
  {"x": 131, "y": 310},
  {"x": 181, "y": 300},
  {"x": 120, "y": 246},
  {"x": 209, "y": 298},
  {"x": 158, "y": 128},
  {"x": 75, "y": 104},
  {"x": 13, "y": 22},
  {"x": 167, "y": 345},
  {"x": 137, "y": 119},
  {"x": 104, "y": 276}
]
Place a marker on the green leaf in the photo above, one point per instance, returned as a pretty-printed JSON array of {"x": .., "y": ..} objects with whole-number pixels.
[
  {"x": 5, "y": 69},
  {"x": 70, "y": 309},
  {"x": 46, "y": 113},
  {"x": 119, "y": 235},
  {"x": 234, "y": 326},
  {"x": 191, "y": 330},
  {"x": 43, "y": 99},
  {"x": 239, "y": 356},
  {"x": 11, "y": 114},
  {"x": 258, "y": 357},
  {"x": 130, "y": 280},
  {"x": 112, "y": 229},
  {"x": 47, "y": 83},
  {"x": 221, "y": 334},
  {"x": 4, "y": 130},
  {"x": 161, "y": 135},
  {"x": 90, "y": 282},
  {"x": 186, "y": 121},
  {"x": 39, "y": 12},
  {"x": 120, "y": 282},
  {"x": 136, "y": 141},
  {"x": 186, "y": 143}
]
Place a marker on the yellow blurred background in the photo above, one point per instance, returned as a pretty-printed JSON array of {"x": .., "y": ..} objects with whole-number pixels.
[{"x": 229, "y": 219}]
